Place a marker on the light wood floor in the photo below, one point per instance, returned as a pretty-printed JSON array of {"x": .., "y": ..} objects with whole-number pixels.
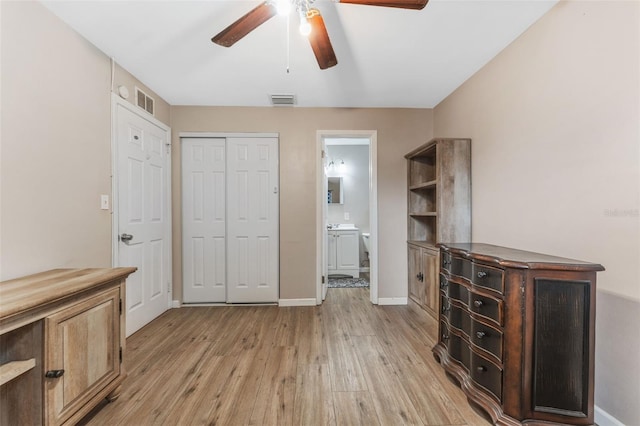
[{"x": 346, "y": 362}]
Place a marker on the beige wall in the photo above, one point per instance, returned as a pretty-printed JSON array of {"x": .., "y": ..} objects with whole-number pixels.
[
  {"x": 399, "y": 131},
  {"x": 554, "y": 123},
  {"x": 55, "y": 144}
]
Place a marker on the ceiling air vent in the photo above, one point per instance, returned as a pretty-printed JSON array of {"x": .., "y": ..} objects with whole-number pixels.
[{"x": 282, "y": 100}]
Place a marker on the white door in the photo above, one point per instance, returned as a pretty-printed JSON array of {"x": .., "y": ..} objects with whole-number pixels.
[
  {"x": 203, "y": 220},
  {"x": 252, "y": 220},
  {"x": 143, "y": 215},
  {"x": 326, "y": 258}
]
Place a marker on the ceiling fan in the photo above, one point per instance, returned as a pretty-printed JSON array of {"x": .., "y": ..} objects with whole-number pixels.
[{"x": 311, "y": 23}]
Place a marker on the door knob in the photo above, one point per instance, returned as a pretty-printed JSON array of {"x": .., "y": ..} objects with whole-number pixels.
[{"x": 126, "y": 238}]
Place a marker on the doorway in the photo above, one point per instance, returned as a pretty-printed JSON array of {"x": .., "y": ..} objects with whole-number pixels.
[
  {"x": 341, "y": 195},
  {"x": 141, "y": 150}
]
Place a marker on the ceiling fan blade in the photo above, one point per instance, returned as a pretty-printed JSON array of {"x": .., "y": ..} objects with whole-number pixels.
[
  {"x": 243, "y": 26},
  {"x": 402, "y": 4},
  {"x": 319, "y": 39}
]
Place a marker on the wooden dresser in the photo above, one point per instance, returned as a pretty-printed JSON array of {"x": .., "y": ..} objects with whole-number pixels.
[
  {"x": 517, "y": 332},
  {"x": 62, "y": 339}
]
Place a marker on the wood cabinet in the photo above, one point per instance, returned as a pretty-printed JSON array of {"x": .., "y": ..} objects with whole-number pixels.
[
  {"x": 343, "y": 252},
  {"x": 438, "y": 207},
  {"x": 517, "y": 330},
  {"x": 62, "y": 338},
  {"x": 423, "y": 277}
]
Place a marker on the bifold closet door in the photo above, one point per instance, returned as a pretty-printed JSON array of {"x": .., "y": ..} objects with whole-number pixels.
[
  {"x": 203, "y": 220},
  {"x": 252, "y": 220}
]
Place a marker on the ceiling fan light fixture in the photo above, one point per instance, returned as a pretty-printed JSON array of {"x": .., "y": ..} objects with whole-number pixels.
[{"x": 305, "y": 26}]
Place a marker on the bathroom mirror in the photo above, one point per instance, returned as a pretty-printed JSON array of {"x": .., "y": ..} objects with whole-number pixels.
[{"x": 335, "y": 193}]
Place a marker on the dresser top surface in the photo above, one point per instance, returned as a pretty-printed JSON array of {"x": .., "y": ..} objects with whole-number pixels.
[
  {"x": 508, "y": 257},
  {"x": 21, "y": 294}
]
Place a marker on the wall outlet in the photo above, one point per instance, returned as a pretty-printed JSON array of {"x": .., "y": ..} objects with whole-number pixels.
[
  {"x": 346, "y": 215},
  {"x": 104, "y": 202}
]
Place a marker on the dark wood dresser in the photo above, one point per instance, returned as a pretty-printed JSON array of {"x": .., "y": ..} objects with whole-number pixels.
[{"x": 517, "y": 332}]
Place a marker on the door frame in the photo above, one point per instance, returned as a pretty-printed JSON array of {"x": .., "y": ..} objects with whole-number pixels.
[
  {"x": 117, "y": 102},
  {"x": 321, "y": 199}
]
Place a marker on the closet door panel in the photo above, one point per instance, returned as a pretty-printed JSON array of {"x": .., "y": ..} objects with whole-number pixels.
[
  {"x": 252, "y": 225},
  {"x": 204, "y": 220}
]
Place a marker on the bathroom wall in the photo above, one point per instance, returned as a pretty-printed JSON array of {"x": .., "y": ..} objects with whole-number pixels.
[{"x": 355, "y": 184}]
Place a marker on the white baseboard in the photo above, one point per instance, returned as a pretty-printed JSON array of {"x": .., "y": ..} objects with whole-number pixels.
[
  {"x": 602, "y": 418},
  {"x": 175, "y": 304},
  {"x": 297, "y": 302},
  {"x": 392, "y": 301}
]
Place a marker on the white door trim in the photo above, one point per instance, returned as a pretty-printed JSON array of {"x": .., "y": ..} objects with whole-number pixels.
[
  {"x": 373, "y": 206},
  {"x": 116, "y": 102}
]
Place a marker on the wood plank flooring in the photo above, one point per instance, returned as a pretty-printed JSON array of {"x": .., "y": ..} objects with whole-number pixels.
[{"x": 346, "y": 362}]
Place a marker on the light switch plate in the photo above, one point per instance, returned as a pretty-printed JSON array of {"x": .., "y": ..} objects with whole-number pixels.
[
  {"x": 346, "y": 215},
  {"x": 104, "y": 202}
]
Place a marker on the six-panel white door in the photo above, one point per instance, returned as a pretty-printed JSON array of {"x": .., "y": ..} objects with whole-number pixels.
[
  {"x": 252, "y": 220},
  {"x": 203, "y": 220},
  {"x": 143, "y": 215},
  {"x": 230, "y": 219}
]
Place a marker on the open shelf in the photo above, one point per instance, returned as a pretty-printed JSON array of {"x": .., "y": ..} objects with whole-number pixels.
[
  {"x": 14, "y": 369},
  {"x": 423, "y": 185}
]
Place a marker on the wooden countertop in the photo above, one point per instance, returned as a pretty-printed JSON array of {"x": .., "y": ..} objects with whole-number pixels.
[{"x": 22, "y": 294}]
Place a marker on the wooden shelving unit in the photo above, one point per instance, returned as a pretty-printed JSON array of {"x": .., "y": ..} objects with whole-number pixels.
[{"x": 438, "y": 208}]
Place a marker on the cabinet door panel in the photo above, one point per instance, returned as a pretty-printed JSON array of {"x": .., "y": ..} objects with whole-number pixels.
[
  {"x": 84, "y": 341},
  {"x": 347, "y": 250},
  {"x": 430, "y": 270},
  {"x": 416, "y": 286}
]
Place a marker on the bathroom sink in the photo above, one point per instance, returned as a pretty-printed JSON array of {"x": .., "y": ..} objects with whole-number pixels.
[{"x": 342, "y": 227}]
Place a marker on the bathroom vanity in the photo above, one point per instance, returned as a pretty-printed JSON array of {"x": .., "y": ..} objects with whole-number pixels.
[{"x": 343, "y": 257}]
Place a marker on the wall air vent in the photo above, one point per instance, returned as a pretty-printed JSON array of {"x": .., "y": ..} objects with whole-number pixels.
[
  {"x": 283, "y": 100},
  {"x": 144, "y": 101}
]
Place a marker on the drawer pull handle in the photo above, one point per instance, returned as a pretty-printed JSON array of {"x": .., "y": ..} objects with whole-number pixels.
[
  {"x": 420, "y": 276},
  {"x": 446, "y": 308},
  {"x": 477, "y": 303},
  {"x": 482, "y": 274},
  {"x": 445, "y": 337},
  {"x": 481, "y": 369},
  {"x": 54, "y": 374},
  {"x": 480, "y": 334},
  {"x": 443, "y": 283},
  {"x": 446, "y": 262}
]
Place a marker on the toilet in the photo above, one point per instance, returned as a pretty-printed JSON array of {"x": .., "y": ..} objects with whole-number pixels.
[{"x": 365, "y": 241}]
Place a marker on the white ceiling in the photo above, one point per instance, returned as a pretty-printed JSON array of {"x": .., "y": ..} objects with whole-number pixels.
[{"x": 386, "y": 57}]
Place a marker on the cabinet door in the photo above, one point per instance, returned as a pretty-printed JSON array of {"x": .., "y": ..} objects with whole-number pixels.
[
  {"x": 347, "y": 250},
  {"x": 331, "y": 257},
  {"x": 430, "y": 264},
  {"x": 84, "y": 341},
  {"x": 416, "y": 284}
]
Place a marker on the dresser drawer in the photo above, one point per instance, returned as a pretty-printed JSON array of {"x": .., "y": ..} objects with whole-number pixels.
[
  {"x": 487, "y": 277},
  {"x": 487, "y": 338},
  {"x": 486, "y": 374},
  {"x": 461, "y": 267},
  {"x": 458, "y": 292},
  {"x": 459, "y": 350},
  {"x": 459, "y": 318},
  {"x": 488, "y": 307}
]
